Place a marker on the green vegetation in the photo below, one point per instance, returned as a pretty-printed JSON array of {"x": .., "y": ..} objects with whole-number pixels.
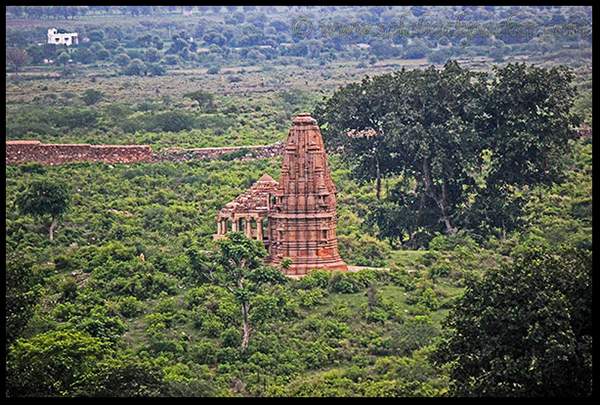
[
  {"x": 132, "y": 297},
  {"x": 521, "y": 330},
  {"x": 459, "y": 143},
  {"x": 171, "y": 333},
  {"x": 44, "y": 197}
]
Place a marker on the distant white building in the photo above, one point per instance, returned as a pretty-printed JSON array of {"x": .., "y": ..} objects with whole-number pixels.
[{"x": 59, "y": 39}]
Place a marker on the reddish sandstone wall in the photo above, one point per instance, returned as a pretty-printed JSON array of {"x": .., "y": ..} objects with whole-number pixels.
[
  {"x": 18, "y": 152},
  {"x": 54, "y": 154},
  {"x": 259, "y": 151}
]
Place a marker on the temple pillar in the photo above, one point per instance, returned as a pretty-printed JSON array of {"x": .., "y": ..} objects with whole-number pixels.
[
  {"x": 223, "y": 223},
  {"x": 259, "y": 229},
  {"x": 248, "y": 227},
  {"x": 234, "y": 224}
]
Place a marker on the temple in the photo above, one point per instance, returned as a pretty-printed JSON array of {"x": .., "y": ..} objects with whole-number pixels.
[
  {"x": 295, "y": 217},
  {"x": 249, "y": 212}
]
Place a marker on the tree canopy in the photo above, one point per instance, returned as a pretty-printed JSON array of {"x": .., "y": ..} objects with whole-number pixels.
[
  {"x": 49, "y": 363},
  {"x": 44, "y": 197},
  {"x": 457, "y": 139},
  {"x": 524, "y": 330},
  {"x": 238, "y": 268}
]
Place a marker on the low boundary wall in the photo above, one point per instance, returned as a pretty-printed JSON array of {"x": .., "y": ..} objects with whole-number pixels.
[{"x": 18, "y": 152}]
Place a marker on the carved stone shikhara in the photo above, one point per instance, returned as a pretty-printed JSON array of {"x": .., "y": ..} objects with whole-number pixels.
[{"x": 299, "y": 210}]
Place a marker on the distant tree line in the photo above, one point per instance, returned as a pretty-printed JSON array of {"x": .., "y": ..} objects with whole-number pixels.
[{"x": 249, "y": 35}]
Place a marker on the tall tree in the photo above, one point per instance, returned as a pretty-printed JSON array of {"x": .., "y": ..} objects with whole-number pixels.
[
  {"x": 529, "y": 121},
  {"x": 17, "y": 58},
  {"x": 237, "y": 267},
  {"x": 529, "y": 124},
  {"x": 523, "y": 330},
  {"x": 463, "y": 142},
  {"x": 353, "y": 121},
  {"x": 420, "y": 124},
  {"x": 45, "y": 197},
  {"x": 434, "y": 131}
]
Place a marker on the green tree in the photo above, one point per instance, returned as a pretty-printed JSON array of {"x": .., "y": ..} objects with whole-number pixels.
[
  {"x": 173, "y": 121},
  {"x": 135, "y": 68},
  {"x": 524, "y": 330},
  {"x": 237, "y": 267},
  {"x": 204, "y": 99},
  {"x": 45, "y": 197},
  {"x": 51, "y": 363},
  {"x": 21, "y": 296},
  {"x": 155, "y": 69},
  {"x": 83, "y": 55},
  {"x": 122, "y": 60},
  {"x": 17, "y": 58},
  {"x": 123, "y": 376},
  {"x": 529, "y": 121},
  {"x": 91, "y": 97},
  {"x": 353, "y": 120},
  {"x": 420, "y": 124},
  {"x": 152, "y": 55},
  {"x": 460, "y": 141},
  {"x": 63, "y": 59}
]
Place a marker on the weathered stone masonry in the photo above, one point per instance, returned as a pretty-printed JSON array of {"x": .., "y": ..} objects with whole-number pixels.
[
  {"x": 34, "y": 151},
  {"x": 295, "y": 217},
  {"x": 18, "y": 152}
]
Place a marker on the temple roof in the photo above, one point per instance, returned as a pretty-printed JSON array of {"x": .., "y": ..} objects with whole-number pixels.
[{"x": 255, "y": 200}]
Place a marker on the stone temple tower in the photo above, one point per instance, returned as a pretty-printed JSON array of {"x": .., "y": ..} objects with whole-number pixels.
[{"x": 302, "y": 217}]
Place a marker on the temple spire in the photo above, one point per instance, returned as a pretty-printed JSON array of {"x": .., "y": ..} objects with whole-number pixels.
[{"x": 302, "y": 221}]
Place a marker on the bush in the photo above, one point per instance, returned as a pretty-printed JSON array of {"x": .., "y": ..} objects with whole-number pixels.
[
  {"x": 365, "y": 277},
  {"x": 441, "y": 270},
  {"x": 377, "y": 315},
  {"x": 171, "y": 121},
  {"x": 210, "y": 326},
  {"x": 155, "y": 69},
  {"x": 399, "y": 277},
  {"x": 106, "y": 328},
  {"x": 203, "y": 98},
  {"x": 450, "y": 242},
  {"x": 311, "y": 298},
  {"x": 135, "y": 68},
  {"x": 231, "y": 338},
  {"x": 226, "y": 355},
  {"x": 204, "y": 352},
  {"x": 91, "y": 97},
  {"x": 315, "y": 279},
  {"x": 341, "y": 284},
  {"x": 64, "y": 263},
  {"x": 363, "y": 250},
  {"x": 428, "y": 258},
  {"x": 129, "y": 307}
]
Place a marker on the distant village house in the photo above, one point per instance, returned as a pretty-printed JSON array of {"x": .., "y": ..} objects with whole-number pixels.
[{"x": 59, "y": 39}]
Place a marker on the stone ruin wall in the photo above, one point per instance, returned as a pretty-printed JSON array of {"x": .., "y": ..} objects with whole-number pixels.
[
  {"x": 54, "y": 154},
  {"x": 18, "y": 152}
]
